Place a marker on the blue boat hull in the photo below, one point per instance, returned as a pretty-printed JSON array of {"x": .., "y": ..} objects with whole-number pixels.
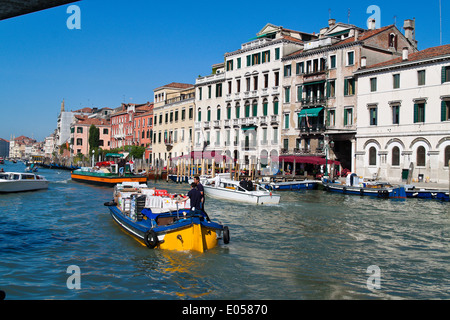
[
  {"x": 398, "y": 192},
  {"x": 293, "y": 186},
  {"x": 428, "y": 194}
]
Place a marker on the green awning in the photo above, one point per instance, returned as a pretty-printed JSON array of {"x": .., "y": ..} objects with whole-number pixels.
[
  {"x": 249, "y": 128},
  {"x": 311, "y": 112},
  {"x": 114, "y": 155},
  {"x": 314, "y": 82}
]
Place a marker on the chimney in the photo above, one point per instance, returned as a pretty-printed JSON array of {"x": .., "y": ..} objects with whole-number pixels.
[
  {"x": 371, "y": 24},
  {"x": 331, "y": 22},
  {"x": 409, "y": 29},
  {"x": 405, "y": 53},
  {"x": 363, "y": 62},
  {"x": 356, "y": 34}
]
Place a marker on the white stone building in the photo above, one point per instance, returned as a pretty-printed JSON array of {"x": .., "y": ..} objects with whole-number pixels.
[
  {"x": 404, "y": 117},
  {"x": 238, "y": 107}
]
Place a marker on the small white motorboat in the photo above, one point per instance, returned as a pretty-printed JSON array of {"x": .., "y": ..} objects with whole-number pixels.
[
  {"x": 17, "y": 182},
  {"x": 228, "y": 189}
]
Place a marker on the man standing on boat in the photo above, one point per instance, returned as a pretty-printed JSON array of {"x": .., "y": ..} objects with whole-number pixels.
[{"x": 202, "y": 192}]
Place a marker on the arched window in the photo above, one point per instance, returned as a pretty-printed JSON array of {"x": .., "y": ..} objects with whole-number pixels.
[
  {"x": 395, "y": 156},
  {"x": 238, "y": 108},
  {"x": 208, "y": 114},
  {"x": 275, "y": 106},
  {"x": 420, "y": 156},
  {"x": 218, "y": 112},
  {"x": 372, "y": 156},
  {"x": 199, "y": 117},
  {"x": 229, "y": 111},
  {"x": 446, "y": 155}
]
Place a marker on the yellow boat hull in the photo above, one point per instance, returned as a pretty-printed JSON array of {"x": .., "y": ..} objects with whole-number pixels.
[{"x": 195, "y": 237}]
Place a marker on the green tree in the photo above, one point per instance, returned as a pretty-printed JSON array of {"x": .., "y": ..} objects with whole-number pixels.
[{"x": 94, "y": 138}]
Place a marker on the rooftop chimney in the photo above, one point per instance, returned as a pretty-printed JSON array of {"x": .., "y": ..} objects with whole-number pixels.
[
  {"x": 331, "y": 22},
  {"x": 405, "y": 53},
  {"x": 409, "y": 29},
  {"x": 371, "y": 24},
  {"x": 363, "y": 62}
]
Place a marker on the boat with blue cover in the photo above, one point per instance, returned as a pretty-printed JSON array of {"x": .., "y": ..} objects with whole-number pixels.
[
  {"x": 290, "y": 185},
  {"x": 355, "y": 186},
  {"x": 153, "y": 218}
]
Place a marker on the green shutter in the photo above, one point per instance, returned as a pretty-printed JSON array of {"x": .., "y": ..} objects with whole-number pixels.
[
  {"x": 299, "y": 93},
  {"x": 345, "y": 87},
  {"x": 328, "y": 118},
  {"x": 328, "y": 89},
  {"x": 443, "y": 75},
  {"x": 443, "y": 111},
  {"x": 345, "y": 117},
  {"x": 208, "y": 115},
  {"x": 249, "y": 60},
  {"x": 265, "y": 109},
  {"x": 275, "y": 107},
  {"x": 199, "y": 116},
  {"x": 237, "y": 112},
  {"x": 238, "y": 63},
  {"x": 229, "y": 113},
  {"x": 255, "y": 110},
  {"x": 259, "y": 58},
  {"x": 247, "y": 111},
  {"x": 268, "y": 56},
  {"x": 416, "y": 112}
]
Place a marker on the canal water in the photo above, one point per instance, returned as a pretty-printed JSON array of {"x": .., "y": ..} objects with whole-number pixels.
[{"x": 313, "y": 245}]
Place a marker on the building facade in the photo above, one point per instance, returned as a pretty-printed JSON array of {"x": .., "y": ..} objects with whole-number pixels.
[
  {"x": 143, "y": 132},
  {"x": 122, "y": 123},
  {"x": 404, "y": 117},
  {"x": 319, "y": 110},
  {"x": 173, "y": 122},
  {"x": 79, "y": 136},
  {"x": 239, "y": 105}
]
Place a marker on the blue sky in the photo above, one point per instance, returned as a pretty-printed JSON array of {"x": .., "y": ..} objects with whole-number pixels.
[{"x": 125, "y": 49}]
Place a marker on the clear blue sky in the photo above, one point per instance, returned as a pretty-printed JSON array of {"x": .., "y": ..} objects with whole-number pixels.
[{"x": 125, "y": 49}]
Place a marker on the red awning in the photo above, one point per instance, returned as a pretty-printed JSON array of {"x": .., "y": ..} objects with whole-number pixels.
[{"x": 307, "y": 159}]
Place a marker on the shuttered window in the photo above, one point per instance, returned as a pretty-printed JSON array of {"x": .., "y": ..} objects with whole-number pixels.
[{"x": 419, "y": 112}]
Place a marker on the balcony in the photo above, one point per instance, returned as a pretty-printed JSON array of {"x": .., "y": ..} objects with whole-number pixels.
[
  {"x": 227, "y": 123},
  {"x": 314, "y": 101},
  {"x": 217, "y": 124},
  {"x": 313, "y": 128},
  {"x": 275, "y": 90},
  {"x": 207, "y": 124},
  {"x": 274, "y": 119},
  {"x": 263, "y": 120}
]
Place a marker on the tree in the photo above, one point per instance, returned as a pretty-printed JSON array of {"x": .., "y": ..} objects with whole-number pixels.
[{"x": 94, "y": 138}]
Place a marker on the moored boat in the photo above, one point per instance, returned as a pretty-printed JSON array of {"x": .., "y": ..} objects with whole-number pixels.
[
  {"x": 223, "y": 188},
  {"x": 426, "y": 193},
  {"x": 18, "y": 182},
  {"x": 106, "y": 177},
  {"x": 153, "y": 218},
  {"x": 355, "y": 187},
  {"x": 290, "y": 185}
]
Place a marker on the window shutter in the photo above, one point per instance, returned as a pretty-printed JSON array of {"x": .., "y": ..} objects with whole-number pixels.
[
  {"x": 443, "y": 111},
  {"x": 345, "y": 117},
  {"x": 249, "y": 60},
  {"x": 328, "y": 89},
  {"x": 328, "y": 118},
  {"x": 443, "y": 75},
  {"x": 299, "y": 93},
  {"x": 416, "y": 112},
  {"x": 275, "y": 107},
  {"x": 345, "y": 87}
]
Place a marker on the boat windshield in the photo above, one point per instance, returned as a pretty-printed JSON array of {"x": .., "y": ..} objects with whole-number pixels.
[{"x": 4, "y": 176}]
